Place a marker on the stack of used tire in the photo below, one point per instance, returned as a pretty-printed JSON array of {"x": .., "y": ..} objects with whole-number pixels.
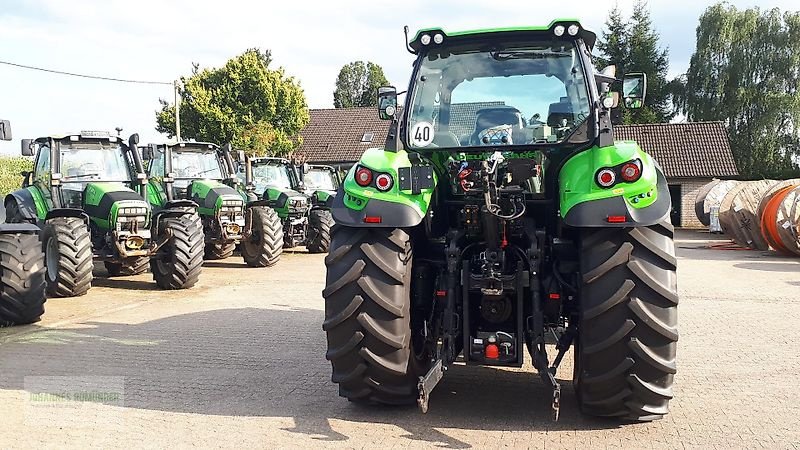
[{"x": 761, "y": 215}]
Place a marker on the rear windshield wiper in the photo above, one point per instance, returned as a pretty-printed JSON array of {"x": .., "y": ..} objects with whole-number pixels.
[
  {"x": 506, "y": 55},
  {"x": 83, "y": 175}
]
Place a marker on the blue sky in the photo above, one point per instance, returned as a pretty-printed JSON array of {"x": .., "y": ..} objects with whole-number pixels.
[{"x": 160, "y": 39}]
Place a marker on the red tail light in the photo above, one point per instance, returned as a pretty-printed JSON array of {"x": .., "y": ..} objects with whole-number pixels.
[
  {"x": 372, "y": 219},
  {"x": 363, "y": 176},
  {"x": 616, "y": 219},
  {"x": 606, "y": 178},
  {"x": 631, "y": 172},
  {"x": 383, "y": 182}
]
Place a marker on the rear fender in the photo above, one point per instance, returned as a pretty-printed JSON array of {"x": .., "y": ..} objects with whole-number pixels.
[
  {"x": 18, "y": 228},
  {"x": 583, "y": 203},
  {"x": 30, "y": 209},
  {"x": 397, "y": 207}
]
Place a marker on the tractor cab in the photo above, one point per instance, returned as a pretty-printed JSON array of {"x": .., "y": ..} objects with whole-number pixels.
[
  {"x": 188, "y": 162},
  {"x": 76, "y": 163},
  {"x": 272, "y": 176},
  {"x": 321, "y": 178}
]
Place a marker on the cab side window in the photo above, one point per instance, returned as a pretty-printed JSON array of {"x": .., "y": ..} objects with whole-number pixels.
[
  {"x": 41, "y": 174},
  {"x": 157, "y": 164},
  {"x": 42, "y": 168}
]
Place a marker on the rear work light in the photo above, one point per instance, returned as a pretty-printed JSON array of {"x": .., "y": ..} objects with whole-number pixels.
[
  {"x": 363, "y": 176},
  {"x": 383, "y": 182}
]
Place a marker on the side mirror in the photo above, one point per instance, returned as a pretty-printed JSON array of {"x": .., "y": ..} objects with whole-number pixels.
[
  {"x": 5, "y": 130},
  {"x": 133, "y": 141},
  {"x": 634, "y": 89},
  {"x": 387, "y": 102},
  {"x": 27, "y": 147}
]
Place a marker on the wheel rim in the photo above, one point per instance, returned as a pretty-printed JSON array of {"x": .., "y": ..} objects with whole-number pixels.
[{"x": 51, "y": 259}]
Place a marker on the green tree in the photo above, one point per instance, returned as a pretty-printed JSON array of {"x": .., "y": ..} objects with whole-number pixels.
[
  {"x": 633, "y": 46},
  {"x": 246, "y": 103},
  {"x": 745, "y": 71},
  {"x": 357, "y": 85},
  {"x": 613, "y": 42}
]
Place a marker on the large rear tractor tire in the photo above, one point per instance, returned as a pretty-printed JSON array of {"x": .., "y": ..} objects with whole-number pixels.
[
  {"x": 625, "y": 356},
  {"x": 129, "y": 266},
  {"x": 67, "y": 247},
  {"x": 22, "y": 290},
  {"x": 219, "y": 251},
  {"x": 368, "y": 316},
  {"x": 264, "y": 246},
  {"x": 320, "y": 222},
  {"x": 180, "y": 261}
]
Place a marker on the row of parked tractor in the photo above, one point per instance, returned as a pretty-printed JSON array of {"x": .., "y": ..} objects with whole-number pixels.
[
  {"x": 93, "y": 196},
  {"x": 762, "y": 214}
]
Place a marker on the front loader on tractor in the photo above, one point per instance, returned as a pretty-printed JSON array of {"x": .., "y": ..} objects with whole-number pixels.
[
  {"x": 22, "y": 286},
  {"x": 204, "y": 173},
  {"x": 86, "y": 192},
  {"x": 304, "y": 213},
  {"x": 481, "y": 240}
]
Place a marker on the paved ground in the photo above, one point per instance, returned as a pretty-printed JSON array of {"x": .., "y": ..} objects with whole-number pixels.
[{"x": 239, "y": 362}]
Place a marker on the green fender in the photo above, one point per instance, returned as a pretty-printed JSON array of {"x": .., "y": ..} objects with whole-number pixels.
[
  {"x": 395, "y": 207},
  {"x": 31, "y": 203},
  {"x": 583, "y": 203}
]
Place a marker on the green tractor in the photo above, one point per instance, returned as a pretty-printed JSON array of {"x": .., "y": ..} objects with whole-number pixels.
[
  {"x": 304, "y": 214},
  {"x": 481, "y": 231},
  {"x": 204, "y": 173},
  {"x": 86, "y": 192},
  {"x": 22, "y": 286},
  {"x": 321, "y": 178}
]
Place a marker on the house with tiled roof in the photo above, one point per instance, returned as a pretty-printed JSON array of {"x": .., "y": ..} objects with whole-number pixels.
[{"x": 691, "y": 154}]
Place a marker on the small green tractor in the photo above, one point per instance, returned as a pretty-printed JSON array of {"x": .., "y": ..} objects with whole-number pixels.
[
  {"x": 86, "y": 192},
  {"x": 321, "y": 178},
  {"x": 480, "y": 231},
  {"x": 204, "y": 173},
  {"x": 22, "y": 286},
  {"x": 304, "y": 214}
]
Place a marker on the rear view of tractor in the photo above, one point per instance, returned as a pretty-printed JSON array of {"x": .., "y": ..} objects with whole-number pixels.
[
  {"x": 503, "y": 217},
  {"x": 203, "y": 173},
  {"x": 86, "y": 192},
  {"x": 303, "y": 212},
  {"x": 22, "y": 286}
]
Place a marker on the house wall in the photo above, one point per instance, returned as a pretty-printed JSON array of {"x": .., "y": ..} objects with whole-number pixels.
[{"x": 689, "y": 188}]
